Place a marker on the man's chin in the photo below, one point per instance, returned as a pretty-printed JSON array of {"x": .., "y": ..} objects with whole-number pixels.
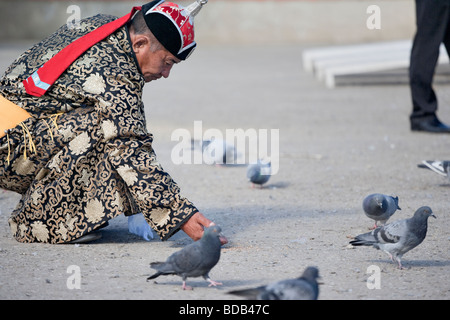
[{"x": 150, "y": 78}]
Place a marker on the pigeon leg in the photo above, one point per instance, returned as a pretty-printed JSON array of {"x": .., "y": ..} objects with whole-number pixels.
[
  {"x": 390, "y": 256},
  {"x": 399, "y": 263},
  {"x": 396, "y": 259},
  {"x": 185, "y": 287},
  {"x": 213, "y": 283}
]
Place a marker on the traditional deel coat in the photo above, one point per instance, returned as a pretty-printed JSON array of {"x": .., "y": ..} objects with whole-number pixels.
[{"x": 85, "y": 155}]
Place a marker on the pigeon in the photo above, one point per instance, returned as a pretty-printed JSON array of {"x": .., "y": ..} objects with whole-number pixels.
[
  {"x": 194, "y": 260},
  {"x": 440, "y": 167},
  {"x": 398, "y": 237},
  {"x": 302, "y": 288},
  {"x": 259, "y": 173},
  {"x": 218, "y": 152},
  {"x": 380, "y": 207}
]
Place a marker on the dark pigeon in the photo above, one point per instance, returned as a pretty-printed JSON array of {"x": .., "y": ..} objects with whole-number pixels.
[
  {"x": 259, "y": 173},
  {"x": 398, "y": 237},
  {"x": 194, "y": 260},
  {"x": 380, "y": 207},
  {"x": 303, "y": 288}
]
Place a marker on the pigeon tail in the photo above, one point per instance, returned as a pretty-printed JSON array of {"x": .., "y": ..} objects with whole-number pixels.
[
  {"x": 156, "y": 275},
  {"x": 366, "y": 239},
  {"x": 162, "y": 268},
  {"x": 251, "y": 294}
]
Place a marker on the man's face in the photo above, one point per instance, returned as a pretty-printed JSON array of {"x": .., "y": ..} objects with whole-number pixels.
[{"x": 154, "y": 65}]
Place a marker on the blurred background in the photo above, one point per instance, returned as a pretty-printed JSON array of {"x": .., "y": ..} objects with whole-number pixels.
[{"x": 233, "y": 21}]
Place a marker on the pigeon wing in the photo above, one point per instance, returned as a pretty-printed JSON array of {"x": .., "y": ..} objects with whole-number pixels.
[
  {"x": 187, "y": 260},
  {"x": 390, "y": 233},
  {"x": 253, "y": 171},
  {"x": 292, "y": 289}
]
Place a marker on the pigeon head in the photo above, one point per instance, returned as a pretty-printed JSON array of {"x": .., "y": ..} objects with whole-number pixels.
[
  {"x": 311, "y": 274},
  {"x": 214, "y": 231},
  {"x": 374, "y": 201},
  {"x": 382, "y": 202},
  {"x": 424, "y": 213}
]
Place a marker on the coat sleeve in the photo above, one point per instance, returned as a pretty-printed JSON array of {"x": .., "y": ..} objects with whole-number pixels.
[
  {"x": 152, "y": 189},
  {"x": 129, "y": 147}
]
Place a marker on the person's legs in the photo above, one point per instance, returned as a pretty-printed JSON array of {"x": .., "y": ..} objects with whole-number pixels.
[
  {"x": 432, "y": 30},
  {"x": 447, "y": 36}
]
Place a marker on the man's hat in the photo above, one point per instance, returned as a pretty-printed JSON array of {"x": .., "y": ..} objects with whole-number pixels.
[{"x": 173, "y": 25}]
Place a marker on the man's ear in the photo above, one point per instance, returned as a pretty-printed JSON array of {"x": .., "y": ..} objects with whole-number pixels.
[{"x": 139, "y": 42}]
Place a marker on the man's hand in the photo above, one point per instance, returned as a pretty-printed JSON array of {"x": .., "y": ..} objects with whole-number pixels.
[{"x": 195, "y": 225}]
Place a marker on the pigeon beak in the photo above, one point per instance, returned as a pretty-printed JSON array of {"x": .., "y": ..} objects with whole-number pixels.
[
  {"x": 432, "y": 215},
  {"x": 223, "y": 239}
]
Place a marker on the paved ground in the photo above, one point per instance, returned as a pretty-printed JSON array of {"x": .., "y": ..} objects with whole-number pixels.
[{"x": 336, "y": 147}]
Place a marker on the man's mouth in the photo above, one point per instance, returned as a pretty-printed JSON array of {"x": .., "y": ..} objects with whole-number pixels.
[{"x": 151, "y": 77}]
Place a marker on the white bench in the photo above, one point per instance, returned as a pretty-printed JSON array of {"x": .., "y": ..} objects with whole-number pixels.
[{"x": 328, "y": 63}]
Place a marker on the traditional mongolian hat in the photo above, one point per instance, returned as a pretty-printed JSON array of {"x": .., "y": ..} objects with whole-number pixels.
[{"x": 173, "y": 25}]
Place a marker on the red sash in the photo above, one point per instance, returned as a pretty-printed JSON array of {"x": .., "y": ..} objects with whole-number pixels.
[{"x": 43, "y": 78}]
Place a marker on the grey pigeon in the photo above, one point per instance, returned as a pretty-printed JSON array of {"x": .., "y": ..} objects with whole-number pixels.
[
  {"x": 259, "y": 173},
  {"x": 302, "y": 288},
  {"x": 218, "y": 152},
  {"x": 194, "y": 260},
  {"x": 398, "y": 237},
  {"x": 380, "y": 207},
  {"x": 440, "y": 167}
]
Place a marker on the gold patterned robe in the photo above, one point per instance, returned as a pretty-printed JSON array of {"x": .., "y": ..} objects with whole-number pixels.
[{"x": 85, "y": 155}]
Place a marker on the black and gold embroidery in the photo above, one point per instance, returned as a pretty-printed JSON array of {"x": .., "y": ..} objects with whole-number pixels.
[{"x": 94, "y": 160}]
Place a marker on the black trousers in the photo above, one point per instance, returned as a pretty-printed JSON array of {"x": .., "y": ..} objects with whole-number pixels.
[{"x": 433, "y": 28}]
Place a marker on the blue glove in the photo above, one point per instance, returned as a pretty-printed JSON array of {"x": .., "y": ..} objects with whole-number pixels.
[{"x": 139, "y": 226}]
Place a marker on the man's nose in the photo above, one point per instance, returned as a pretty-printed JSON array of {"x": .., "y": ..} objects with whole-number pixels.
[{"x": 166, "y": 71}]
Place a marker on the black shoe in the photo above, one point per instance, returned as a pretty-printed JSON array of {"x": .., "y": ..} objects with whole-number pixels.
[
  {"x": 429, "y": 124},
  {"x": 93, "y": 236}
]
